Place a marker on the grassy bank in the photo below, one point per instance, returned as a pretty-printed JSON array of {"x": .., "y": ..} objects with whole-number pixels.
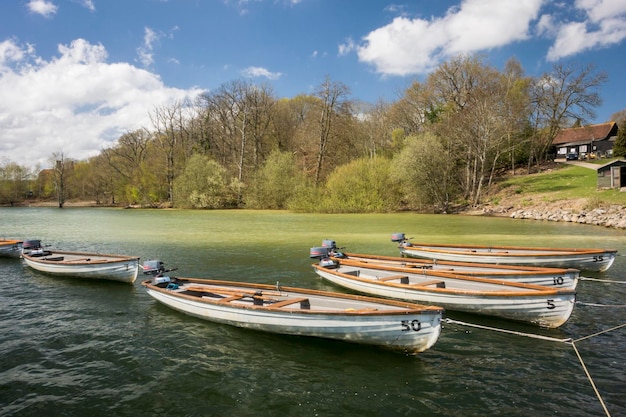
[{"x": 561, "y": 184}]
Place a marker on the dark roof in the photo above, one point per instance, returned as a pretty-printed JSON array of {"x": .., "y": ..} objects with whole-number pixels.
[
  {"x": 601, "y": 131},
  {"x": 617, "y": 162}
]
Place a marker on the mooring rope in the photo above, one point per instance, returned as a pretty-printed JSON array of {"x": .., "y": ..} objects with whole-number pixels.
[
  {"x": 599, "y": 333},
  {"x": 496, "y": 329},
  {"x": 552, "y": 339},
  {"x": 593, "y": 385},
  {"x": 601, "y": 280},
  {"x": 600, "y": 305}
]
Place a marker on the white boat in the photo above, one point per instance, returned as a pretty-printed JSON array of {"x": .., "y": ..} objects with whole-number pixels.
[
  {"x": 546, "y": 307},
  {"x": 10, "y": 248},
  {"x": 84, "y": 265},
  {"x": 550, "y": 277},
  {"x": 583, "y": 259},
  {"x": 389, "y": 324}
]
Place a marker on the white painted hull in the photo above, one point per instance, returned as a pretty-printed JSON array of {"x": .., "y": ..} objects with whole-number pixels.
[
  {"x": 549, "y": 277},
  {"x": 10, "y": 248},
  {"x": 87, "y": 265},
  {"x": 521, "y": 302},
  {"x": 407, "y": 327},
  {"x": 583, "y": 259}
]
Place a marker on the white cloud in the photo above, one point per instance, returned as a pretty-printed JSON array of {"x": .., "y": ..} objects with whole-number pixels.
[
  {"x": 42, "y": 7},
  {"x": 253, "y": 72},
  {"x": 144, "y": 52},
  {"x": 604, "y": 25},
  {"x": 76, "y": 102},
  {"x": 347, "y": 47},
  {"x": 409, "y": 46},
  {"x": 89, "y": 4}
]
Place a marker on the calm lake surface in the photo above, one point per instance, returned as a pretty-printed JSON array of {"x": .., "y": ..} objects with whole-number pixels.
[{"x": 75, "y": 348}]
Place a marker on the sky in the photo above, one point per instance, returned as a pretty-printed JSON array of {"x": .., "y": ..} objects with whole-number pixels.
[{"x": 75, "y": 75}]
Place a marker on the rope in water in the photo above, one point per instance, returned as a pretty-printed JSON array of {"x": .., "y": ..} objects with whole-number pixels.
[
  {"x": 552, "y": 339},
  {"x": 600, "y": 305},
  {"x": 534, "y": 336},
  {"x": 601, "y": 280}
]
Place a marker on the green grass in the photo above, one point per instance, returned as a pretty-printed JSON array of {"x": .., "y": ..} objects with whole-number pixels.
[{"x": 562, "y": 183}]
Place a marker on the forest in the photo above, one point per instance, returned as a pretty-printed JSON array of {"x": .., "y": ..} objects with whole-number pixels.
[{"x": 441, "y": 145}]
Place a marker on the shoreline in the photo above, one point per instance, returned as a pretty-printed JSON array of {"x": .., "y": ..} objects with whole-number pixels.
[{"x": 572, "y": 211}]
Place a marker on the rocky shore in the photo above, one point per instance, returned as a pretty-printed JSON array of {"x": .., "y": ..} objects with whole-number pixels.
[{"x": 574, "y": 211}]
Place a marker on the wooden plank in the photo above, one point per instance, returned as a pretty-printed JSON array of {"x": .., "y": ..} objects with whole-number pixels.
[
  {"x": 438, "y": 283},
  {"x": 304, "y": 303},
  {"x": 393, "y": 277}
]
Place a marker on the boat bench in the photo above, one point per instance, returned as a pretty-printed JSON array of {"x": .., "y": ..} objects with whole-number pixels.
[
  {"x": 403, "y": 278},
  {"x": 436, "y": 282},
  {"x": 305, "y": 304}
]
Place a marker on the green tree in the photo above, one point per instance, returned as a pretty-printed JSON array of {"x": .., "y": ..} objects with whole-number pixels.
[
  {"x": 276, "y": 183},
  {"x": 426, "y": 173},
  {"x": 619, "y": 148},
  {"x": 204, "y": 184},
  {"x": 14, "y": 183},
  {"x": 361, "y": 186}
]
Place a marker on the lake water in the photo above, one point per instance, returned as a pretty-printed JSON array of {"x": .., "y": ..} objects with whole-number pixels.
[{"x": 75, "y": 348}]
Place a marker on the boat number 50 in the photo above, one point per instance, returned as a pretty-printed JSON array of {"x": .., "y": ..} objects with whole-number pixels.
[{"x": 414, "y": 325}]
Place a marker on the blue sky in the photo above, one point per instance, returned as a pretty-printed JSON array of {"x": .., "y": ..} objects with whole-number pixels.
[{"x": 76, "y": 74}]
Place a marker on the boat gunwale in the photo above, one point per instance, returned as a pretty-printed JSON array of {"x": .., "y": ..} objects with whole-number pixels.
[
  {"x": 518, "y": 250},
  {"x": 409, "y": 308},
  {"x": 520, "y": 269},
  {"x": 116, "y": 258},
  {"x": 533, "y": 290}
]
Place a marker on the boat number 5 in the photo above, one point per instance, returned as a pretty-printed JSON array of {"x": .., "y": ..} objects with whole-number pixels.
[
  {"x": 551, "y": 305},
  {"x": 414, "y": 325}
]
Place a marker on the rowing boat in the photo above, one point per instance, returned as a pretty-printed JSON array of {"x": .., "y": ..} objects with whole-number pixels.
[
  {"x": 389, "y": 324},
  {"x": 583, "y": 259},
  {"x": 546, "y": 307},
  {"x": 551, "y": 277},
  {"x": 87, "y": 265},
  {"x": 10, "y": 248}
]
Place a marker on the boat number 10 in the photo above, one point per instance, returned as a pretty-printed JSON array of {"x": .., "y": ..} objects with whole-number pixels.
[{"x": 414, "y": 325}]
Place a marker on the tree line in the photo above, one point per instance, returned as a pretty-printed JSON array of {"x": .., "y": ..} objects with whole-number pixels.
[{"x": 441, "y": 144}]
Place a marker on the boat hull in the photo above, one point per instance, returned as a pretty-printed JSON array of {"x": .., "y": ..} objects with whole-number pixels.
[
  {"x": 538, "y": 305},
  {"x": 549, "y": 277},
  {"x": 406, "y": 327},
  {"x": 86, "y": 265},
  {"x": 10, "y": 248},
  {"x": 596, "y": 260}
]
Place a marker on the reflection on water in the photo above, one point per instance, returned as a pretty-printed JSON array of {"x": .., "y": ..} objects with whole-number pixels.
[{"x": 100, "y": 348}]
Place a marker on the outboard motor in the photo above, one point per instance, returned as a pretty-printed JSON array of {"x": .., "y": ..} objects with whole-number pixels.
[
  {"x": 30, "y": 245},
  {"x": 34, "y": 248},
  {"x": 401, "y": 239},
  {"x": 319, "y": 252},
  {"x": 397, "y": 237},
  {"x": 323, "y": 254},
  {"x": 333, "y": 250},
  {"x": 156, "y": 268}
]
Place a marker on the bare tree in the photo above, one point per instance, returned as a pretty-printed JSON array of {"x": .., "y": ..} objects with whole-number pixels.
[
  {"x": 558, "y": 98},
  {"x": 333, "y": 96},
  {"x": 62, "y": 167},
  {"x": 173, "y": 137}
]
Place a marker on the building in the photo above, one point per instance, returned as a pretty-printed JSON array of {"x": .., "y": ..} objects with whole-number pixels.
[
  {"x": 612, "y": 175},
  {"x": 587, "y": 141}
]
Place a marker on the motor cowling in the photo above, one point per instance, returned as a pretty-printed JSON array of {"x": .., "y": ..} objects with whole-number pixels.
[{"x": 398, "y": 237}]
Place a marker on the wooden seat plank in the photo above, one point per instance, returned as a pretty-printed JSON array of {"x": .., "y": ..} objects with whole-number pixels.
[
  {"x": 303, "y": 301},
  {"x": 438, "y": 283}
]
